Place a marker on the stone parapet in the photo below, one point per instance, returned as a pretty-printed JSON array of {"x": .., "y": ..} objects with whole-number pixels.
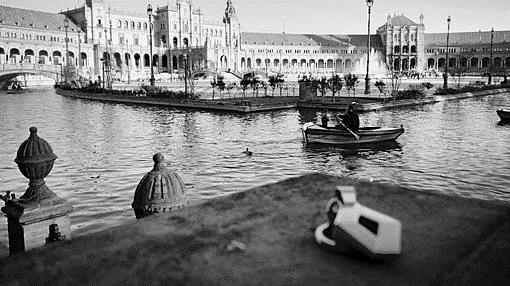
[{"x": 264, "y": 236}]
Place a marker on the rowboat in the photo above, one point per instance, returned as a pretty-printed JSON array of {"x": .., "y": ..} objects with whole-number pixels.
[
  {"x": 504, "y": 114},
  {"x": 313, "y": 133}
]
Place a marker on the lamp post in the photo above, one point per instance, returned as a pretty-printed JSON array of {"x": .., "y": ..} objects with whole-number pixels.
[
  {"x": 185, "y": 73},
  {"x": 445, "y": 75},
  {"x": 491, "y": 64},
  {"x": 66, "y": 25},
  {"x": 149, "y": 12},
  {"x": 79, "y": 51},
  {"x": 367, "y": 78},
  {"x": 103, "y": 61}
]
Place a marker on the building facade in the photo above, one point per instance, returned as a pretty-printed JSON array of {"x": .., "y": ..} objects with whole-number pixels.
[{"x": 101, "y": 37}]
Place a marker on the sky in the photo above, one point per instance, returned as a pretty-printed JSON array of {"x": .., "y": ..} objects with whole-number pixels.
[{"x": 324, "y": 16}]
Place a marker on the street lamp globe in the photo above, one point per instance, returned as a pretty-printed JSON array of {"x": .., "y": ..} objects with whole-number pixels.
[
  {"x": 149, "y": 9},
  {"x": 370, "y": 3}
]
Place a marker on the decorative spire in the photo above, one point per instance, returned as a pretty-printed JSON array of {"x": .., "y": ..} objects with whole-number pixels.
[{"x": 230, "y": 13}]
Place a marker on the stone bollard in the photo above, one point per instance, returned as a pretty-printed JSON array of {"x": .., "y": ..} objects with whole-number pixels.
[
  {"x": 160, "y": 190},
  {"x": 34, "y": 217}
]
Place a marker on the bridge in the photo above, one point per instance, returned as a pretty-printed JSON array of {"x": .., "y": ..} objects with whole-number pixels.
[{"x": 8, "y": 71}]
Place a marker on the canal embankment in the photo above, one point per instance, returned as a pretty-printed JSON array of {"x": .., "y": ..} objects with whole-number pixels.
[
  {"x": 261, "y": 104},
  {"x": 264, "y": 236},
  {"x": 366, "y": 104},
  {"x": 238, "y": 105}
]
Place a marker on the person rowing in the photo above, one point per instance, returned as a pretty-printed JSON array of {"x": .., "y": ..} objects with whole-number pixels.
[{"x": 350, "y": 119}]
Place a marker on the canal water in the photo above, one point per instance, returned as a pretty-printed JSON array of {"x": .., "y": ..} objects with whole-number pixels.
[{"x": 104, "y": 149}]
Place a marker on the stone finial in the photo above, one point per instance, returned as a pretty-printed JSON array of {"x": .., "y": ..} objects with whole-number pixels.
[
  {"x": 35, "y": 160},
  {"x": 160, "y": 190}
]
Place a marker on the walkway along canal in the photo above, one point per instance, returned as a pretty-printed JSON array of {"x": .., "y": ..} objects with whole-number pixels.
[{"x": 103, "y": 150}]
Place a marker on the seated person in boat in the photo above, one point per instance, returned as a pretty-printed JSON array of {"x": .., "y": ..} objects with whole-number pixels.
[
  {"x": 350, "y": 118},
  {"x": 324, "y": 119}
]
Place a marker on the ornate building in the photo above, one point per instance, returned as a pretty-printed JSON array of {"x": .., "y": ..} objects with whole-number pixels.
[{"x": 100, "y": 36}]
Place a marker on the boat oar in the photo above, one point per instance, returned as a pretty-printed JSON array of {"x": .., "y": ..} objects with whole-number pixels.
[{"x": 347, "y": 128}]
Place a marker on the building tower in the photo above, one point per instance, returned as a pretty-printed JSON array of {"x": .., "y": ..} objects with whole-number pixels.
[
  {"x": 422, "y": 63},
  {"x": 232, "y": 35}
]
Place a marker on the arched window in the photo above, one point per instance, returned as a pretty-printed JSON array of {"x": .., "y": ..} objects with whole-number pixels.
[
  {"x": 126, "y": 25},
  {"x": 145, "y": 26},
  {"x": 132, "y": 25},
  {"x": 146, "y": 60},
  {"x": 431, "y": 63},
  {"x": 119, "y": 24},
  {"x": 474, "y": 62},
  {"x": 139, "y": 26}
]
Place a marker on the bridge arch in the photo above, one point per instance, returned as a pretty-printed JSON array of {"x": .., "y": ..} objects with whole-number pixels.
[{"x": 11, "y": 71}]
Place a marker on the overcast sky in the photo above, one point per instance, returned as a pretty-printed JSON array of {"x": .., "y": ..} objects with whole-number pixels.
[{"x": 324, "y": 16}]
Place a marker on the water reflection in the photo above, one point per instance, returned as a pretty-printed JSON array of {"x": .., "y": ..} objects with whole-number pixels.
[{"x": 355, "y": 150}]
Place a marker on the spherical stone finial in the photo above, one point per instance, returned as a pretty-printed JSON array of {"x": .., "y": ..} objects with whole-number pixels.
[
  {"x": 160, "y": 190},
  {"x": 33, "y": 130},
  {"x": 159, "y": 162},
  {"x": 158, "y": 158}
]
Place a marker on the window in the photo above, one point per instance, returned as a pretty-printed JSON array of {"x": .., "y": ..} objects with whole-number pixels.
[
  {"x": 126, "y": 24},
  {"x": 132, "y": 25},
  {"x": 136, "y": 40},
  {"x": 119, "y": 24},
  {"x": 139, "y": 26},
  {"x": 145, "y": 26}
]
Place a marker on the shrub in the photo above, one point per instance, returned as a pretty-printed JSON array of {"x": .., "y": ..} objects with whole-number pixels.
[
  {"x": 427, "y": 85},
  {"x": 411, "y": 94}
]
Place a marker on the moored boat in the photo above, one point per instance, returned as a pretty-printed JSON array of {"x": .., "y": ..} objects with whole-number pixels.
[
  {"x": 313, "y": 133},
  {"x": 504, "y": 114}
]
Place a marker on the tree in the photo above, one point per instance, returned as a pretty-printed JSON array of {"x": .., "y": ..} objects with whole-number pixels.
[
  {"x": 381, "y": 86},
  {"x": 276, "y": 81},
  {"x": 264, "y": 85},
  {"x": 218, "y": 83},
  {"x": 322, "y": 85},
  {"x": 458, "y": 72},
  {"x": 273, "y": 82},
  {"x": 230, "y": 86},
  {"x": 245, "y": 83},
  {"x": 254, "y": 84},
  {"x": 335, "y": 84},
  {"x": 395, "y": 80},
  {"x": 351, "y": 81},
  {"x": 281, "y": 80}
]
